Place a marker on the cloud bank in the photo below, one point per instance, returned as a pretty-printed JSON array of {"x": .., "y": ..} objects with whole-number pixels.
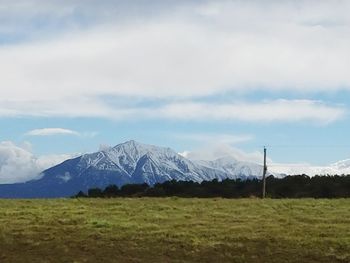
[
  {"x": 266, "y": 111},
  {"x": 270, "y": 111},
  {"x": 182, "y": 50},
  {"x": 19, "y": 164}
]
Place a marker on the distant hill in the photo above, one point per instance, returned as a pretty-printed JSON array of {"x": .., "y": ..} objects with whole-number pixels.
[{"x": 127, "y": 163}]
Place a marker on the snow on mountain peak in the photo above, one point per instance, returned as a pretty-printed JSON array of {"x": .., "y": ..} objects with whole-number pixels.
[
  {"x": 148, "y": 163},
  {"x": 343, "y": 164},
  {"x": 126, "y": 157}
]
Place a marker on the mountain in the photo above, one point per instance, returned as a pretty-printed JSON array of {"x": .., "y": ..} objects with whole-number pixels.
[
  {"x": 233, "y": 169},
  {"x": 126, "y": 163},
  {"x": 343, "y": 166},
  {"x": 340, "y": 167}
]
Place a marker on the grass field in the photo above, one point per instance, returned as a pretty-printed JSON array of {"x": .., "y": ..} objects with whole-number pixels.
[{"x": 174, "y": 230}]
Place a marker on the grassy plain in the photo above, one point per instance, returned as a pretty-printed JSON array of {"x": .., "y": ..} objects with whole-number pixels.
[{"x": 174, "y": 230}]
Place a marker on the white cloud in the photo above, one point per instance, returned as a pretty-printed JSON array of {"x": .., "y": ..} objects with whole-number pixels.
[
  {"x": 199, "y": 48},
  {"x": 18, "y": 164},
  {"x": 266, "y": 111},
  {"x": 278, "y": 110},
  {"x": 51, "y": 132}
]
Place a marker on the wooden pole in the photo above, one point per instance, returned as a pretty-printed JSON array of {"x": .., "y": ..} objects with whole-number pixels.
[{"x": 264, "y": 175}]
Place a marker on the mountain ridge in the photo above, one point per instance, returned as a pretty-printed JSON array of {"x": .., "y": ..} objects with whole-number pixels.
[{"x": 127, "y": 163}]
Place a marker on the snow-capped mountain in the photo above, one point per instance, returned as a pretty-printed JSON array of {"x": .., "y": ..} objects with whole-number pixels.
[
  {"x": 140, "y": 163},
  {"x": 343, "y": 165},
  {"x": 232, "y": 168},
  {"x": 340, "y": 167},
  {"x": 129, "y": 162}
]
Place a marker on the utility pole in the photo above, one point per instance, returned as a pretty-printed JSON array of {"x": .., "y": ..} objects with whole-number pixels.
[{"x": 264, "y": 175}]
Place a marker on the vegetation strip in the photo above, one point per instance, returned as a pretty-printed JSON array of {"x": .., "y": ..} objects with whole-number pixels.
[
  {"x": 175, "y": 230},
  {"x": 298, "y": 186}
]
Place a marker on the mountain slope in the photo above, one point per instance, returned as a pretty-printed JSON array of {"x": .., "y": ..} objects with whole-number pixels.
[
  {"x": 233, "y": 169},
  {"x": 129, "y": 162}
]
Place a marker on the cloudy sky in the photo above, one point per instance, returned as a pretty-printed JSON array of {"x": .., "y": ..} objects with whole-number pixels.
[{"x": 77, "y": 75}]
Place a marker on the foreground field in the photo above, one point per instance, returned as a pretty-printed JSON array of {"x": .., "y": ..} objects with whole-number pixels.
[{"x": 174, "y": 230}]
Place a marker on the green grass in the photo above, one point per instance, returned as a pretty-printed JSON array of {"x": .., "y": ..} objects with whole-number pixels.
[{"x": 174, "y": 230}]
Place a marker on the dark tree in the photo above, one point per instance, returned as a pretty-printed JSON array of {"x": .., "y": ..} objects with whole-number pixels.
[
  {"x": 297, "y": 186},
  {"x": 95, "y": 192},
  {"x": 111, "y": 191}
]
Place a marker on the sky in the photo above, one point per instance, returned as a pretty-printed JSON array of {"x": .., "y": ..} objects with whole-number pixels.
[{"x": 201, "y": 77}]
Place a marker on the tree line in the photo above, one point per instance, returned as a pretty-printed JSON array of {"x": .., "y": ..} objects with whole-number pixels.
[{"x": 296, "y": 186}]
